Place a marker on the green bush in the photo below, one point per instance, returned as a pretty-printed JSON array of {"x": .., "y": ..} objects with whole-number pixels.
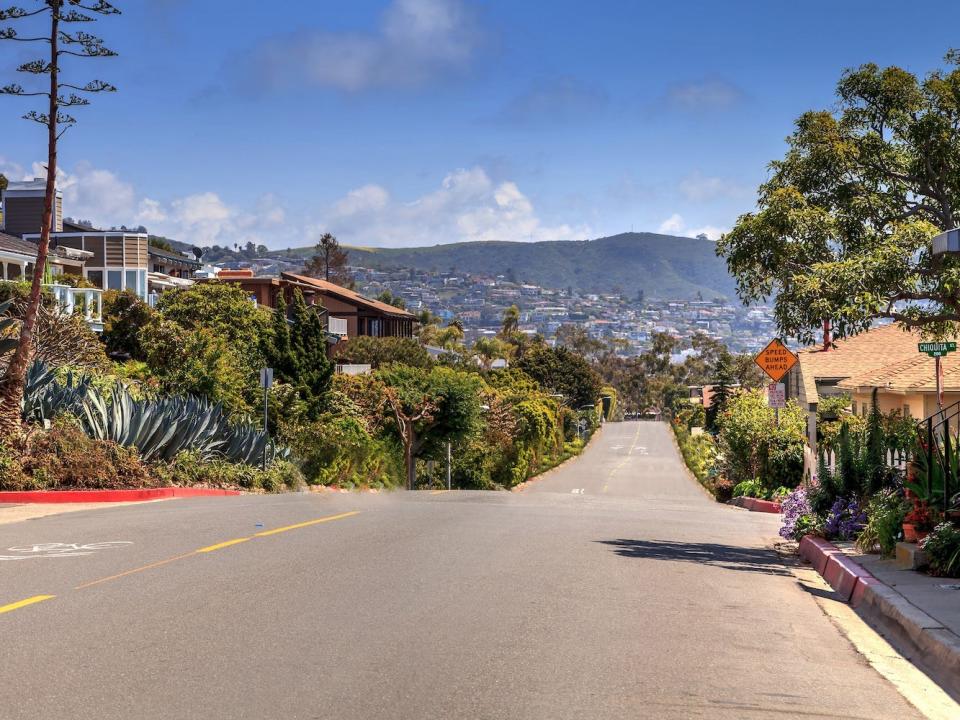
[
  {"x": 942, "y": 546},
  {"x": 885, "y": 513},
  {"x": 750, "y": 488},
  {"x": 189, "y": 469}
]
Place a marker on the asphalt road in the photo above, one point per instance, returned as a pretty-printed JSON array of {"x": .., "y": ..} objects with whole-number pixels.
[{"x": 611, "y": 588}]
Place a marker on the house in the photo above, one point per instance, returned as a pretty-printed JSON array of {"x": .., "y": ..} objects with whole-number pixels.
[
  {"x": 823, "y": 371},
  {"x": 363, "y": 315},
  {"x": 113, "y": 260},
  {"x": 908, "y": 386}
]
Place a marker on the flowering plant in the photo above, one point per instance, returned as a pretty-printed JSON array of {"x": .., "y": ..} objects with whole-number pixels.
[
  {"x": 845, "y": 520},
  {"x": 922, "y": 517},
  {"x": 795, "y": 509}
]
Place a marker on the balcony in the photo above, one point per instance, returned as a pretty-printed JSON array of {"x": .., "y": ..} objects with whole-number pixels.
[
  {"x": 343, "y": 369},
  {"x": 84, "y": 301},
  {"x": 337, "y": 326}
]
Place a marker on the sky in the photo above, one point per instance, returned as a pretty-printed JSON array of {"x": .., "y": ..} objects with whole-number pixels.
[{"x": 416, "y": 122}]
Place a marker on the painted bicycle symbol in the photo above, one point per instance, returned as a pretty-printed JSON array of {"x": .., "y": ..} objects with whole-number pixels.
[{"x": 60, "y": 550}]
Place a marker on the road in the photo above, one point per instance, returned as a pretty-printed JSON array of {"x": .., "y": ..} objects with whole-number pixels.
[{"x": 610, "y": 588}]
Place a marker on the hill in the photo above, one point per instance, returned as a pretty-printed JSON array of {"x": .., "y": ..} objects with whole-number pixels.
[{"x": 663, "y": 266}]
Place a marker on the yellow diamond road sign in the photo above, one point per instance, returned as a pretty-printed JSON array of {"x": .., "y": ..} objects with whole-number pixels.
[{"x": 776, "y": 360}]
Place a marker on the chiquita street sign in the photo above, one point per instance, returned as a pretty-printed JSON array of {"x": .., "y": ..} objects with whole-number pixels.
[
  {"x": 937, "y": 349},
  {"x": 776, "y": 360}
]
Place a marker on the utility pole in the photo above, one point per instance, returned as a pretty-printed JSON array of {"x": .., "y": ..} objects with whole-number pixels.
[
  {"x": 448, "y": 467},
  {"x": 266, "y": 381}
]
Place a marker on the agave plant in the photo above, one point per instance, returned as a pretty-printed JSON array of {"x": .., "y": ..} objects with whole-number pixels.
[
  {"x": 7, "y": 324},
  {"x": 159, "y": 429}
]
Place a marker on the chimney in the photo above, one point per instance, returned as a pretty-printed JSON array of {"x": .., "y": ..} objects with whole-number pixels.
[{"x": 23, "y": 208}]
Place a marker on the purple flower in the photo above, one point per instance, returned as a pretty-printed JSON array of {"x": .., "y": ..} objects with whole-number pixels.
[{"x": 794, "y": 506}]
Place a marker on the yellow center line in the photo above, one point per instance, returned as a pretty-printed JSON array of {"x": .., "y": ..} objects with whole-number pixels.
[
  {"x": 209, "y": 548},
  {"x": 278, "y": 530},
  {"x": 24, "y": 603},
  {"x": 220, "y": 546}
]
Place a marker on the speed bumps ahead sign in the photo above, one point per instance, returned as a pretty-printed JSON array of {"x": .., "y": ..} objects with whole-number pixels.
[{"x": 776, "y": 360}]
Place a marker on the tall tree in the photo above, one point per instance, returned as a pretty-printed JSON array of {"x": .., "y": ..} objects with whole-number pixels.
[
  {"x": 511, "y": 321},
  {"x": 329, "y": 262},
  {"x": 842, "y": 234},
  {"x": 55, "y": 15},
  {"x": 308, "y": 341}
]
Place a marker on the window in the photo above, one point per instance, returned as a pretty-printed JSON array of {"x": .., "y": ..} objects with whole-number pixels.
[
  {"x": 114, "y": 280},
  {"x": 853, "y": 407},
  {"x": 131, "y": 280},
  {"x": 95, "y": 277},
  {"x": 906, "y": 411}
]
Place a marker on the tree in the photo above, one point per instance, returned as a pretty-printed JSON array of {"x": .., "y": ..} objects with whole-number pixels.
[
  {"x": 390, "y": 299},
  {"x": 511, "y": 321},
  {"x": 723, "y": 380},
  {"x": 576, "y": 338},
  {"x": 558, "y": 370},
  {"x": 280, "y": 354},
  {"x": 430, "y": 408},
  {"x": 842, "y": 234},
  {"x": 308, "y": 342},
  {"x": 367, "y": 350},
  {"x": 59, "y": 14},
  {"x": 123, "y": 315},
  {"x": 489, "y": 349},
  {"x": 329, "y": 262}
]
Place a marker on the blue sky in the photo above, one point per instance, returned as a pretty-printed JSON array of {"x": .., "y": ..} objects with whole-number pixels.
[{"x": 410, "y": 122}]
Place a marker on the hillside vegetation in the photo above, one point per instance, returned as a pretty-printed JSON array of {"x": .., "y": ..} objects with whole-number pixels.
[{"x": 663, "y": 266}]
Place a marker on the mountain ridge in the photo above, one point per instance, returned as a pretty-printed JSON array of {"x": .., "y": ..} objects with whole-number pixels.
[{"x": 662, "y": 266}]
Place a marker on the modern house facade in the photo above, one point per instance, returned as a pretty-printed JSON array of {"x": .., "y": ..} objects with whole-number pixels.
[{"x": 114, "y": 259}]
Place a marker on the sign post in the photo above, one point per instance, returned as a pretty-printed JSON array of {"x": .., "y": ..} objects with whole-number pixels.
[
  {"x": 938, "y": 350},
  {"x": 266, "y": 382},
  {"x": 776, "y": 360}
]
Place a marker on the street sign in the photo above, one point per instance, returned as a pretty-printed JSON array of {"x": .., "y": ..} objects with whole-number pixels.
[
  {"x": 266, "y": 378},
  {"x": 937, "y": 349},
  {"x": 777, "y": 395},
  {"x": 776, "y": 360}
]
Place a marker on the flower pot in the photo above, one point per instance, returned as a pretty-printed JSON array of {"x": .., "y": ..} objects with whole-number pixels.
[{"x": 909, "y": 532}]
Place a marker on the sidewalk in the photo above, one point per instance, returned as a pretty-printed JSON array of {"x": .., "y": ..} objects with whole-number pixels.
[
  {"x": 18, "y": 513},
  {"x": 919, "y": 611}
]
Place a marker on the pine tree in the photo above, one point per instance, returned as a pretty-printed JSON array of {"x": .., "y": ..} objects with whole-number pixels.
[
  {"x": 308, "y": 344},
  {"x": 723, "y": 372},
  {"x": 281, "y": 355}
]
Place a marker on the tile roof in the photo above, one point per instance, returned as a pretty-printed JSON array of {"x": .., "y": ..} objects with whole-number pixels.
[
  {"x": 915, "y": 374},
  {"x": 348, "y": 295},
  {"x": 870, "y": 351}
]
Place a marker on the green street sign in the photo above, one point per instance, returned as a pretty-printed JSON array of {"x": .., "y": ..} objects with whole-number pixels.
[{"x": 937, "y": 349}]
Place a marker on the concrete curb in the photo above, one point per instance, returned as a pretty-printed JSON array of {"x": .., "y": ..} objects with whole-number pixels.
[
  {"x": 108, "y": 496},
  {"x": 931, "y": 645},
  {"x": 756, "y": 504}
]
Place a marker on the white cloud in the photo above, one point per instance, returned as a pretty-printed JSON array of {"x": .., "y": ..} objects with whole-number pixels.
[
  {"x": 467, "y": 206},
  {"x": 701, "y": 95},
  {"x": 671, "y": 225},
  {"x": 415, "y": 42},
  {"x": 675, "y": 225}
]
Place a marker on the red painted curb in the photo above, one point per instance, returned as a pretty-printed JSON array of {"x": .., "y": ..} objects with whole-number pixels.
[
  {"x": 756, "y": 505},
  {"x": 848, "y": 579},
  {"x": 107, "y": 496}
]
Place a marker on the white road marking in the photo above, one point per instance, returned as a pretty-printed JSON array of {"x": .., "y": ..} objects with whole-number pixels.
[
  {"x": 577, "y": 491},
  {"x": 50, "y": 550}
]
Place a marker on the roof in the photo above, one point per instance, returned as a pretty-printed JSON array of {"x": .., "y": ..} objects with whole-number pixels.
[
  {"x": 915, "y": 374},
  {"x": 16, "y": 245},
  {"x": 349, "y": 295},
  {"x": 179, "y": 257}
]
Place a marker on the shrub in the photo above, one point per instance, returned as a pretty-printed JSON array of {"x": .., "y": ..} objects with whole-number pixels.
[
  {"x": 64, "y": 457},
  {"x": 750, "y": 488},
  {"x": 942, "y": 546},
  {"x": 123, "y": 315},
  {"x": 885, "y": 513},
  {"x": 794, "y": 508},
  {"x": 845, "y": 520},
  {"x": 190, "y": 469}
]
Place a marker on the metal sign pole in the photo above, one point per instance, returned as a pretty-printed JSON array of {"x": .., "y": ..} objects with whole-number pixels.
[{"x": 448, "y": 466}]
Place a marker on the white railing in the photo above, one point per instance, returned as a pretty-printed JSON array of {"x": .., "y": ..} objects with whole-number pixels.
[
  {"x": 353, "y": 369},
  {"x": 86, "y": 301},
  {"x": 894, "y": 459},
  {"x": 337, "y": 326}
]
